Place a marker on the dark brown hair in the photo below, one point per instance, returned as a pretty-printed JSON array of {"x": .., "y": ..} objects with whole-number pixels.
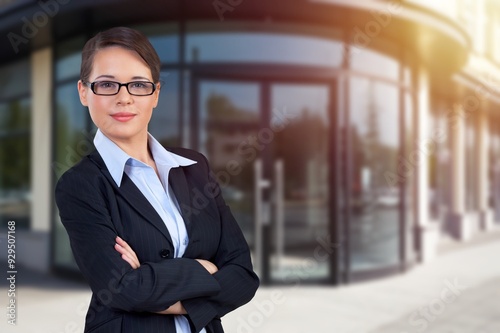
[{"x": 127, "y": 38}]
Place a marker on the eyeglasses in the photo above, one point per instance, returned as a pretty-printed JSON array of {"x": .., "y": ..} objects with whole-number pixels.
[{"x": 109, "y": 88}]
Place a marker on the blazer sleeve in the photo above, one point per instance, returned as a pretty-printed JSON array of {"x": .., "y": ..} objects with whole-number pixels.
[
  {"x": 236, "y": 277},
  {"x": 81, "y": 199}
]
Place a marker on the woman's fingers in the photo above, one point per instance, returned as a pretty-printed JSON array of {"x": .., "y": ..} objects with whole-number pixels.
[
  {"x": 127, "y": 253},
  {"x": 209, "y": 266},
  {"x": 129, "y": 256}
]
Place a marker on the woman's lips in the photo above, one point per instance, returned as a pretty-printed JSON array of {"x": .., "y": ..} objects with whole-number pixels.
[{"x": 123, "y": 116}]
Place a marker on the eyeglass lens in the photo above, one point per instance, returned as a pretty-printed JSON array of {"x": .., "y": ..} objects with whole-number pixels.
[{"x": 139, "y": 88}]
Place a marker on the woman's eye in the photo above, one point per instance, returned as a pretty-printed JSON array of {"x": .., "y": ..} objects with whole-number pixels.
[
  {"x": 107, "y": 85},
  {"x": 138, "y": 85}
]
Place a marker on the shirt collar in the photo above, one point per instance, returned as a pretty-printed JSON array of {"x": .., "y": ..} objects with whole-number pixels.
[{"x": 116, "y": 159}]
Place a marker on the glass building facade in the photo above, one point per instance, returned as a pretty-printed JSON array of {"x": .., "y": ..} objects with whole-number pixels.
[{"x": 345, "y": 149}]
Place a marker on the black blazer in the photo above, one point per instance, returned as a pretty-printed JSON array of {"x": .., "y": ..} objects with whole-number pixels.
[{"x": 94, "y": 210}]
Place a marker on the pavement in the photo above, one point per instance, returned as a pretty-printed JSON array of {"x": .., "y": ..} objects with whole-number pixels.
[{"x": 458, "y": 292}]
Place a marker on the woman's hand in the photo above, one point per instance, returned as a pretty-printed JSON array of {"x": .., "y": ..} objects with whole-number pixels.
[
  {"x": 209, "y": 266},
  {"x": 127, "y": 253},
  {"x": 129, "y": 256},
  {"x": 175, "y": 309}
]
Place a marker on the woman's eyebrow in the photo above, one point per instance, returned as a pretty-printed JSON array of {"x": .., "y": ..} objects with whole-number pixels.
[
  {"x": 105, "y": 77},
  {"x": 140, "y": 78}
]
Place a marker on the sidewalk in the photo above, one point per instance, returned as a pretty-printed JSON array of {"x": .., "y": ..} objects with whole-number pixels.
[{"x": 459, "y": 292}]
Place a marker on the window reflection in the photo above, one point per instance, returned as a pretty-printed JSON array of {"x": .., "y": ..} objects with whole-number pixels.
[
  {"x": 15, "y": 140},
  {"x": 301, "y": 146},
  {"x": 15, "y": 162},
  {"x": 229, "y": 122},
  {"x": 167, "y": 47},
  {"x": 374, "y": 63},
  {"x": 164, "y": 124},
  {"x": 374, "y": 210},
  {"x": 248, "y": 47},
  {"x": 68, "y": 67},
  {"x": 73, "y": 141},
  {"x": 69, "y": 59},
  {"x": 14, "y": 80},
  {"x": 164, "y": 38}
]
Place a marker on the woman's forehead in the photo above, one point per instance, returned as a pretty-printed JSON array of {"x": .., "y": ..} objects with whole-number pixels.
[{"x": 117, "y": 62}]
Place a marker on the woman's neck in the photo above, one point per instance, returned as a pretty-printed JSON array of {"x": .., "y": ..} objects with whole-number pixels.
[{"x": 136, "y": 147}]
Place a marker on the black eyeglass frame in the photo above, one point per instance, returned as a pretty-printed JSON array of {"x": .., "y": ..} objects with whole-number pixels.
[{"x": 120, "y": 85}]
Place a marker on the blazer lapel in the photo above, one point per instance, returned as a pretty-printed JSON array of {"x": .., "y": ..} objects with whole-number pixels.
[
  {"x": 131, "y": 193},
  {"x": 178, "y": 182}
]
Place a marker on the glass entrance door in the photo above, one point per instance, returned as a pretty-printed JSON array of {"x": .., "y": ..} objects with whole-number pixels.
[
  {"x": 267, "y": 144},
  {"x": 301, "y": 244},
  {"x": 228, "y": 117}
]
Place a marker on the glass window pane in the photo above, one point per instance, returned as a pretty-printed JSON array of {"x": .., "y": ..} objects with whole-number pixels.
[
  {"x": 72, "y": 142},
  {"x": 68, "y": 59},
  {"x": 72, "y": 138},
  {"x": 164, "y": 124},
  {"x": 374, "y": 63},
  {"x": 15, "y": 79},
  {"x": 260, "y": 47},
  {"x": 301, "y": 147},
  {"x": 229, "y": 114},
  {"x": 167, "y": 47},
  {"x": 15, "y": 162},
  {"x": 68, "y": 67},
  {"x": 375, "y": 196},
  {"x": 164, "y": 38}
]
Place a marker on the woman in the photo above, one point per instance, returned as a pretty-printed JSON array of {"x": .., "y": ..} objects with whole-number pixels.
[{"x": 148, "y": 227}]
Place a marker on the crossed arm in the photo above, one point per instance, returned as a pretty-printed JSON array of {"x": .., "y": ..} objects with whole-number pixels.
[{"x": 128, "y": 254}]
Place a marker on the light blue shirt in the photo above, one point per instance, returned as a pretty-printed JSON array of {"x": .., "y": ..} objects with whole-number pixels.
[{"x": 156, "y": 190}]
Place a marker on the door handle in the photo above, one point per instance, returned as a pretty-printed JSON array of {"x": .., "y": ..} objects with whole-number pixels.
[{"x": 279, "y": 210}]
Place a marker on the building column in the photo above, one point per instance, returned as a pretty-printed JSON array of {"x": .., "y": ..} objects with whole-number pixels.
[
  {"x": 37, "y": 241},
  {"x": 482, "y": 179},
  {"x": 427, "y": 232},
  {"x": 457, "y": 223}
]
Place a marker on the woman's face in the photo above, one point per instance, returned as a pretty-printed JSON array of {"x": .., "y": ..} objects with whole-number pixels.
[{"x": 121, "y": 117}]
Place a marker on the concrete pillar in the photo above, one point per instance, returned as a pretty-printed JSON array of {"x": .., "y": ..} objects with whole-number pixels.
[
  {"x": 457, "y": 222},
  {"x": 38, "y": 243},
  {"x": 481, "y": 181},
  {"x": 427, "y": 232}
]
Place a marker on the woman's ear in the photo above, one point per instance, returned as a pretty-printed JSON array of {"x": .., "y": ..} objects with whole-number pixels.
[{"x": 82, "y": 91}]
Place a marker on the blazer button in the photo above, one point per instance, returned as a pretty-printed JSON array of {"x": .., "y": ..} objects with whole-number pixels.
[{"x": 164, "y": 253}]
